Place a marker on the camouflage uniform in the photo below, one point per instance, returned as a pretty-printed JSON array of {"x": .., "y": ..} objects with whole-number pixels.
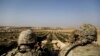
[
  {"x": 26, "y": 45},
  {"x": 87, "y": 50},
  {"x": 83, "y": 43}
]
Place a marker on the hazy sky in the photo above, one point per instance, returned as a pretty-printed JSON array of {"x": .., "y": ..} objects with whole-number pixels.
[{"x": 64, "y": 13}]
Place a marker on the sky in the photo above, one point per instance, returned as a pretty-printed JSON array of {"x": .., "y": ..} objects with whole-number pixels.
[{"x": 49, "y": 13}]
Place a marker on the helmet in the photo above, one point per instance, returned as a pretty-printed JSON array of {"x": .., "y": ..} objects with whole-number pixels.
[
  {"x": 26, "y": 37},
  {"x": 89, "y": 31},
  {"x": 86, "y": 33}
]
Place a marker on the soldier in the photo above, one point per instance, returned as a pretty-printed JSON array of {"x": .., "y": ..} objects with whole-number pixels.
[
  {"x": 27, "y": 45},
  {"x": 83, "y": 43}
]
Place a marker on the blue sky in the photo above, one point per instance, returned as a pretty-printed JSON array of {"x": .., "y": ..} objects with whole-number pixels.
[{"x": 52, "y": 13}]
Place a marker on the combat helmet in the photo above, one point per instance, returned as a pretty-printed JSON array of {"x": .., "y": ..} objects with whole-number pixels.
[
  {"x": 92, "y": 49},
  {"x": 88, "y": 32},
  {"x": 26, "y": 37}
]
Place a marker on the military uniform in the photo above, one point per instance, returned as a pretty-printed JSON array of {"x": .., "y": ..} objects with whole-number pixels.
[
  {"x": 83, "y": 44},
  {"x": 26, "y": 46},
  {"x": 32, "y": 52},
  {"x": 88, "y": 50}
]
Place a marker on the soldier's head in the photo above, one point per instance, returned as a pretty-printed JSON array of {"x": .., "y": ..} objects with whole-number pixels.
[
  {"x": 89, "y": 31},
  {"x": 86, "y": 32},
  {"x": 26, "y": 39}
]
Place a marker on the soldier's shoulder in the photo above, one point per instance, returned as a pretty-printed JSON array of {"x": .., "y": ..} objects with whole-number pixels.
[{"x": 87, "y": 50}]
